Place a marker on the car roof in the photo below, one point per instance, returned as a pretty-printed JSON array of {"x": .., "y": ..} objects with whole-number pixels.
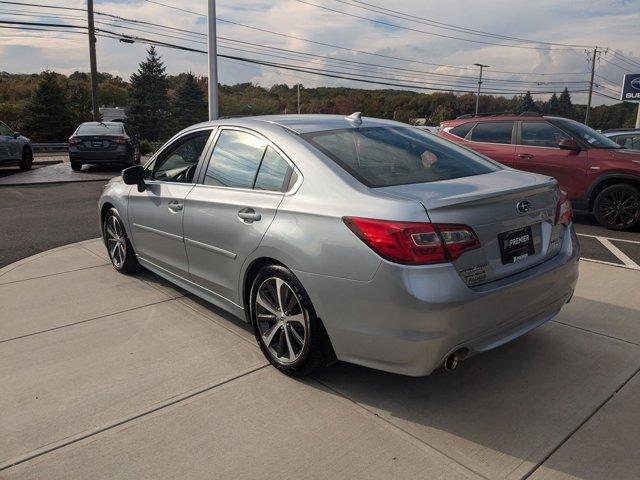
[
  {"x": 301, "y": 124},
  {"x": 93, "y": 124},
  {"x": 500, "y": 118},
  {"x": 621, "y": 131}
]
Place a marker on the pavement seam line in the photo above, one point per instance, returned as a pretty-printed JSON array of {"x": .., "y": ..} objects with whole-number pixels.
[
  {"x": 52, "y": 274},
  {"x": 86, "y": 320},
  {"x": 580, "y": 425},
  {"x": 596, "y": 333},
  {"x": 394, "y": 426},
  {"x": 117, "y": 423},
  {"x": 23, "y": 261}
]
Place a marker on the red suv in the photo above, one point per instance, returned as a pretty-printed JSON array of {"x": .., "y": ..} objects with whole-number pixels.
[{"x": 599, "y": 175}]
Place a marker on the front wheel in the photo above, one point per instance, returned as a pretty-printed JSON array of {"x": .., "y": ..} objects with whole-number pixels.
[
  {"x": 618, "y": 207},
  {"x": 120, "y": 250},
  {"x": 284, "y": 321},
  {"x": 75, "y": 166},
  {"x": 27, "y": 159}
]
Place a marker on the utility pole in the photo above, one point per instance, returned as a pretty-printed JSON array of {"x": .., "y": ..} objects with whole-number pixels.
[
  {"x": 92, "y": 61},
  {"x": 593, "y": 68},
  {"x": 213, "y": 62},
  {"x": 638, "y": 117},
  {"x": 298, "y": 99},
  {"x": 479, "y": 84}
]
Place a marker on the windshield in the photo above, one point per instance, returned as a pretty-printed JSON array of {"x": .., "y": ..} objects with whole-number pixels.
[
  {"x": 386, "y": 156},
  {"x": 587, "y": 134},
  {"x": 100, "y": 129}
]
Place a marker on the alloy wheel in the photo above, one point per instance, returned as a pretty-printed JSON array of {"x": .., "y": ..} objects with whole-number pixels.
[
  {"x": 116, "y": 241},
  {"x": 282, "y": 322},
  {"x": 620, "y": 208}
]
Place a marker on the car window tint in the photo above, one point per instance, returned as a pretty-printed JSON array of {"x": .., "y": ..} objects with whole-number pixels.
[
  {"x": 462, "y": 130},
  {"x": 274, "y": 172},
  {"x": 541, "y": 134},
  {"x": 4, "y": 130},
  {"x": 492, "y": 132},
  {"x": 235, "y": 160},
  {"x": 385, "y": 156},
  {"x": 628, "y": 141},
  {"x": 178, "y": 163},
  {"x": 100, "y": 129}
]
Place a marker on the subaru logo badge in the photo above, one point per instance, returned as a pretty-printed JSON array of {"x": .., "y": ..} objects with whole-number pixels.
[
  {"x": 635, "y": 83},
  {"x": 524, "y": 206}
]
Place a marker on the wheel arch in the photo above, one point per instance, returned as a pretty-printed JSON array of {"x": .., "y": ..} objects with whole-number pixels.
[{"x": 611, "y": 179}]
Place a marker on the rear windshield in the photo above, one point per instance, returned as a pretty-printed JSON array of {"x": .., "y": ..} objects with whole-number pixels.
[
  {"x": 100, "y": 129},
  {"x": 386, "y": 156}
]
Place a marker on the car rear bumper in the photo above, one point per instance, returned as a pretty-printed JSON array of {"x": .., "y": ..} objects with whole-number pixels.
[
  {"x": 408, "y": 319},
  {"x": 120, "y": 155}
]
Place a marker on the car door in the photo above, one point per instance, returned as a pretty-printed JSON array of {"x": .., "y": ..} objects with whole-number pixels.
[
  {"x": 537, "y": 151},
  {"x": 156, "y": 214},
  {"x": 228, "y": 212},
  {"x": 8, "y": 144},
  {"x": 495, "y": 139}
]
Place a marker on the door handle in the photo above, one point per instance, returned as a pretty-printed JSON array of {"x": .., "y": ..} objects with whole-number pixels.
[
  {"x": 525, "y": 155},
  {"x": 249, "y": 215},
  {"x": 175, "y": 206}
]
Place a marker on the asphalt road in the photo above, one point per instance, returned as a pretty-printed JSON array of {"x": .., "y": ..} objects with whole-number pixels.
[{"x": 37, "y": 218}]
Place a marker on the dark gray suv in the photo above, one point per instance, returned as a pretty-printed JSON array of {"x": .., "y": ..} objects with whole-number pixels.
[{"x": 15, "y": 149}]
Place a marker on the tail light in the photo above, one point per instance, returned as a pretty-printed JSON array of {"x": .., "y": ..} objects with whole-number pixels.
[
  {"x": 120, "y": 140},
  {"x": 74, "y": 140},
  {"x": 564, "y": 212},
  {"x": 412, "y": 243}
]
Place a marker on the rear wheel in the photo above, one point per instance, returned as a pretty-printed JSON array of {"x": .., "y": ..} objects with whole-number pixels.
[
  {"x": 284, "y": 321},
  {"x": 27, "y": 159},
  {"x": 618, "y": 207},
  {"x": 121, "y": 253},
  {"x": 75, "y": 166}
]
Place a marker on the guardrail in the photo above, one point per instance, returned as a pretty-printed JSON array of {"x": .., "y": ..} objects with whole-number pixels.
[{"x": 62, "y": 147}]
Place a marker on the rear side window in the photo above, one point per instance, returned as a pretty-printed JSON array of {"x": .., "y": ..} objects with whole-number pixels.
[
  {"x": 385, "y": 156},
  {"x": 492, "y": 132},
  {"x": 541, "y": 134},
  {"x": 100, "y": 129},
  {"x": 462, "y": 130},
  {"x": 235, "y": 160},
  {"x": 274, "y": 172},
  {"x": 628, "y": 141}
]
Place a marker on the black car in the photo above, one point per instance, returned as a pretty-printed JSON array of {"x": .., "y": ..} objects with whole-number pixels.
[{"x": 102, "y": 143}]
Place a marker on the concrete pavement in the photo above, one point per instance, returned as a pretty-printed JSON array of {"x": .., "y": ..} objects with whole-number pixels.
[{"x": 110, "y": 376}]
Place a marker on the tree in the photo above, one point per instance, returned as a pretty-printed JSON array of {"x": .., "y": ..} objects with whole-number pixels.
[
  {"x": 527, "y": 104},
  {"x": 565, "y": 106},
  {"x": 149, "y": 102},
  {"x": 189, "y": 105},
  {"x": 553, "y": 105},
  {"x": 48, "y": 117}
]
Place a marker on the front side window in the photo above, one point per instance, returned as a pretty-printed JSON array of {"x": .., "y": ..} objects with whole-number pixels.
[
  {"x": 385, "y": 156},
  {"x": 541, "y": 134},
  {"x": 179, "y": 161},
  {"x": 235, "y": 160},
  {"x": 492, "y": 132},
  {"x": 586, "y": 134}
]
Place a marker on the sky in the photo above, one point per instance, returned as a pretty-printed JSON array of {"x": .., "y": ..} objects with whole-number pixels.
[{"x": 414, "y": 42}]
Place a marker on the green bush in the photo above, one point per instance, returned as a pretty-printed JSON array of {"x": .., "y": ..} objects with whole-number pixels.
[{"x": 145, "y": 147}]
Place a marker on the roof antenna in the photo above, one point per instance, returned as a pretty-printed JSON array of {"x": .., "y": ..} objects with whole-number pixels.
[{"x": 355, "y": 119}]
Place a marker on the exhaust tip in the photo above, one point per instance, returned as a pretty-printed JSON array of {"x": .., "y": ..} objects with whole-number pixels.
[{"x": 451, "y": 362}]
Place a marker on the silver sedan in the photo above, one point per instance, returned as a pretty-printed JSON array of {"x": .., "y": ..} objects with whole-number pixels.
[{"x": 348, "y": 238}]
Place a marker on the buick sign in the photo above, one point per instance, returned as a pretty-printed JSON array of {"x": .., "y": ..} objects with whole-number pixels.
[{"x": 631, "y": 87}]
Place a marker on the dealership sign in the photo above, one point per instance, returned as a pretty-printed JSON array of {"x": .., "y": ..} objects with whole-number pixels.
[{"x": 631, "y": 87}]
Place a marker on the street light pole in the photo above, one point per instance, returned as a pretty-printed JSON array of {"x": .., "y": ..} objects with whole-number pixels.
[
  {"x": 298, "y": 99},
  {"x": 479, "y": 84},
  {"x": 93, "y": 64},
  {"x": 213, "y": 62}
]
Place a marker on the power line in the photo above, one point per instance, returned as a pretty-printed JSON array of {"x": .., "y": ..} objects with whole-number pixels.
[
  {"x": 606, "y": 96},
  {"x": 176, "y": 8},
  {"x": 616, "y": 65},
  {"x": 624, "y": 59},
  {"x": 394, "y": 25}
]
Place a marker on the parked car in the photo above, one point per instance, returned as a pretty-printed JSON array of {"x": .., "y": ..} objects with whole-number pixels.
[
  {"x": 102, "y": 143},
  {"x": 599, "y": 175},
  {"x": 626, "y": 137},
  {"x": 348, "y": 238},
  {"x": 15, "y": 149}
]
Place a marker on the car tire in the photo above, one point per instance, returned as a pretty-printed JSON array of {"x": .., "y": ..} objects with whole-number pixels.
[
  {"x": 617, "y": 207},
  {"x": 119, "y": 248},
  {"x": 27, "y": 159},
  {"x": 75, "y": 166},
  {"x": 286, "y": 327}
]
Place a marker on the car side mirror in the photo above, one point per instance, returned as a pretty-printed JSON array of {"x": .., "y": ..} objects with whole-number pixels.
[
  {"x": 134, "y": 176},
  {"x": 569, "y": 144}
]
